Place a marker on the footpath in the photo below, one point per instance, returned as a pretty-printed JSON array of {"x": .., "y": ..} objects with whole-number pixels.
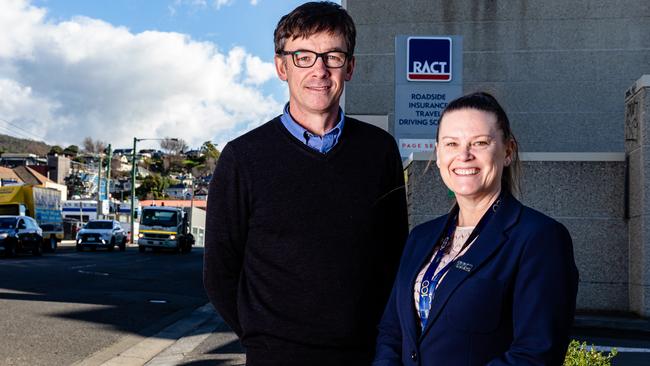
[{"x": 203, "y": 338}]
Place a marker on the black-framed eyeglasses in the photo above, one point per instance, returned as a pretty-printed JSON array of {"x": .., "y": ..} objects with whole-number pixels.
[{"x": 306, "y": 59}]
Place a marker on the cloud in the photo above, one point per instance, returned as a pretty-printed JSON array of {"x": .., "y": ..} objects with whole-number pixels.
[
  {"x": 254, "y": 2},
  {"x": 218, "y": 4},
  {"x": 85, "y": 77}
]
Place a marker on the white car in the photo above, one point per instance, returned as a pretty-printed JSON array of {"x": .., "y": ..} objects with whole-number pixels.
[{"x": 101, "y": 234}]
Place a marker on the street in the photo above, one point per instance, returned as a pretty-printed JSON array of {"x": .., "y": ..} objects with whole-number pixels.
[
  {"x": 62, "y": 308},
  {"x": 85, "y": 308}
]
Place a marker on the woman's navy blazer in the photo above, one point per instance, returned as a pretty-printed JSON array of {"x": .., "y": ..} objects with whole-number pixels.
[{"x": 509, "y": 300}]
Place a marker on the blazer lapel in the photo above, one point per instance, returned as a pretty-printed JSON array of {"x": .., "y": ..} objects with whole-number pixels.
[
  {"x": 422, "y": 254},
  {"x": 488, "y": 241}
]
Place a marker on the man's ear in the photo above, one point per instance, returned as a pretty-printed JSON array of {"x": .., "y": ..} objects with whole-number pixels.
[
  {"x": 349, "y": 69},
  {"x": 281, "y": 67}
]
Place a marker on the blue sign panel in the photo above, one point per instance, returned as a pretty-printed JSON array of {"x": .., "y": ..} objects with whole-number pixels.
[{"x": 428, "y": 59}]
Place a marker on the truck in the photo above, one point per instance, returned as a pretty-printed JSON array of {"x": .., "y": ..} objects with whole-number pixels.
[
  {"x": 40, "y": 203},
  {"x": 164, "y": 227}
]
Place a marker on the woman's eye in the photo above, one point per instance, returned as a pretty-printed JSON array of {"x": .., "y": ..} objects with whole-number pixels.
[
  {"x": 451, "y": 144},
  {"x": 481, "y": 143}
]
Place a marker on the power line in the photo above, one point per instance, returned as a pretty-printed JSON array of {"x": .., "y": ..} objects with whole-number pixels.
[
  {"x": 14, "y": 134},
  {"x": 24, "y": 131}
]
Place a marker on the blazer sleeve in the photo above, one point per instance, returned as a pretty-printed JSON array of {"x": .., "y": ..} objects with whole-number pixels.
[
  {"x": 226, "y": 228},
  {"x": 544, "y": 298}
]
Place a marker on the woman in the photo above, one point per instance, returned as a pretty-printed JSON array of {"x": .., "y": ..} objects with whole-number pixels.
[{"x": 491, "y": 283}]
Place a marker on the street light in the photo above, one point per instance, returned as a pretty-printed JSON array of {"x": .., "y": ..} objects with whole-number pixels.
[{"x": 133, "y": 169}]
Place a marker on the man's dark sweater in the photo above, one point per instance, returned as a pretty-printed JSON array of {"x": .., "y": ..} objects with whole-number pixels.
[{"x": 302, "y": 247}]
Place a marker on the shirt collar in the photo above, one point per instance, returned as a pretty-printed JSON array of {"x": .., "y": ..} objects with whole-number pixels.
[{"x": 321, "y": 143}]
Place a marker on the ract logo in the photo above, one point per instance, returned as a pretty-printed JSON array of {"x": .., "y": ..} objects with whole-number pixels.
[{"x": 428, "y": 59}]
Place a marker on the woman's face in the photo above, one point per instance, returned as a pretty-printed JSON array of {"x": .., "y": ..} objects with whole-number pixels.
[{"x": 471, "y": 153}]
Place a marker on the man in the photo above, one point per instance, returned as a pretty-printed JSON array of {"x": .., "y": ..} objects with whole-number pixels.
[{"x": 306, "y": 214}]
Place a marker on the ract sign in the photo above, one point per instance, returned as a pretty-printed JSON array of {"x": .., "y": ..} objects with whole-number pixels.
[{"x": 428, "y": 59}]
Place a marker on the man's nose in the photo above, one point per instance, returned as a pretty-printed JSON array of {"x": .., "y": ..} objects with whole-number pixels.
[{"x": 319, "y": 67}]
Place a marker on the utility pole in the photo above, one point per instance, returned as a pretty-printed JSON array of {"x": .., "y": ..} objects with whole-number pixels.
[
  {"x": 133, "y": 168},
  {"x": 99, "y": 186},
  {"x": 109, "y": 156}
]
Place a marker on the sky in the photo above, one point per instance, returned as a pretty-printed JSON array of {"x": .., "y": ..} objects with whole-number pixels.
[{"x": 112, "y": 70}]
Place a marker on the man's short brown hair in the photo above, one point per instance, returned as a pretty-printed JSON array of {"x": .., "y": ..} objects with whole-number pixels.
[{"x": 315, "y": 17}]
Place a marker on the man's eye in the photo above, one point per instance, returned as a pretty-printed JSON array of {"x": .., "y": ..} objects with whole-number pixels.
[
  {"x": 451, "y": 144},
  {"x": 334, "y": 58},
  {"x": 304, "y": 58}
]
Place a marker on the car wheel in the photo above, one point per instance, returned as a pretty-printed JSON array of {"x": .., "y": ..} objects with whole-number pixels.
[
  {"x": 10, "y": 249},
  {"x": 79, "y": 248},
  {"x": 93, "y": 248},
  {"x": 111, "y": 245},
  {"x": 141, "y": 249},
  {"x": 123, "y": 245}
]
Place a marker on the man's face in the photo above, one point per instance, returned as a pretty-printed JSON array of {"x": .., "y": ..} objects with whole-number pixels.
[{"x": 315, "y": 90}]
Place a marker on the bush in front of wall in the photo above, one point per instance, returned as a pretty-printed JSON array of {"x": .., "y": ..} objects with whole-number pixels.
[{"x": 579, "y": 354}]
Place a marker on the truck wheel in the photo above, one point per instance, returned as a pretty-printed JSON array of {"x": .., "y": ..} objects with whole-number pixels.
[
  {"x": 141, "y": 249},
  {"x": 51, "y": 245},
  {"x": 187, "y": 247},
  {"x": 37, "y": 251}
]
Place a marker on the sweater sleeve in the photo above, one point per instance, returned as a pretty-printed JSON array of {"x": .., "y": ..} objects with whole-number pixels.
[{"x": 225, "y": 237}]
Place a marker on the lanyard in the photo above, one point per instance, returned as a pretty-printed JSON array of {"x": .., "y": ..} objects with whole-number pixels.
[{"x": 430, "y": 281}]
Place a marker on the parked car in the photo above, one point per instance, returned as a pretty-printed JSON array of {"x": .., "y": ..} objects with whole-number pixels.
[
  {"x": 101, "y": 234},
  {"x": 20, "y": 234}
]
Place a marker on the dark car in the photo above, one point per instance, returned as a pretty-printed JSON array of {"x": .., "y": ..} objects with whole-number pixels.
[
  {"x": 101, "y": 234},
  {"x": 20, "y": 234}
]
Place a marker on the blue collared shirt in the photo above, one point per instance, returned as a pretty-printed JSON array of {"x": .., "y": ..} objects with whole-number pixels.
[{"x": 321, "y": 144}]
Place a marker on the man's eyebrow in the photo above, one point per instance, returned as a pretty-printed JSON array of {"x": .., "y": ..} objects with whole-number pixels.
[{"x": 473, "y": 137}]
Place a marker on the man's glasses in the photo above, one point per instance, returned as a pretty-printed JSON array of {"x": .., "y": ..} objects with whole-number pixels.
[{"x": 305, "y": 59}]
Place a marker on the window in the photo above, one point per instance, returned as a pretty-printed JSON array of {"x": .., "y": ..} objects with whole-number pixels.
[
  {"x": 159, "y": 218},
  {"x": 99, "y": 225},
  {"x": 7, "y": 222}
]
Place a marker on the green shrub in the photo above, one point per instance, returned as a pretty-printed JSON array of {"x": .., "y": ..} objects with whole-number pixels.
[{"x": 579, "y": 355}]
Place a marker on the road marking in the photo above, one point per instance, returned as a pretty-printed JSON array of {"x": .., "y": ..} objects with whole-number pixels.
[
  {"x": 84, "y": 266},
  {"x": 93, "y": 273},
  {"x": 620, "y": 349}
]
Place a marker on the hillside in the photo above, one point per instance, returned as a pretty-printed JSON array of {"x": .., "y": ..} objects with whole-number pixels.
[{"x": 15, "y": 145}]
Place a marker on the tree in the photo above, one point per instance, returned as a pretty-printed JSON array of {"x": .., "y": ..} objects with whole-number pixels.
[
  {"x": 72, "y": 150},
  {"x": 152, "y": 187},
  {"x": 75, "y": 184},
  {"x": 56, "y": 150},
  {"x": 88, "y": 144},
  {"x": 173, "y": 146},
  {"x": 93, "y": 146},
  {"x": 210, "y": 150}
]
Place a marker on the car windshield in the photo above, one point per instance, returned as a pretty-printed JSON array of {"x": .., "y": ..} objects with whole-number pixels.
[
  {"x": 99, "y": 225},
  {"x": 159, "y": 218},
  {"x": 7, "y": 222}
]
